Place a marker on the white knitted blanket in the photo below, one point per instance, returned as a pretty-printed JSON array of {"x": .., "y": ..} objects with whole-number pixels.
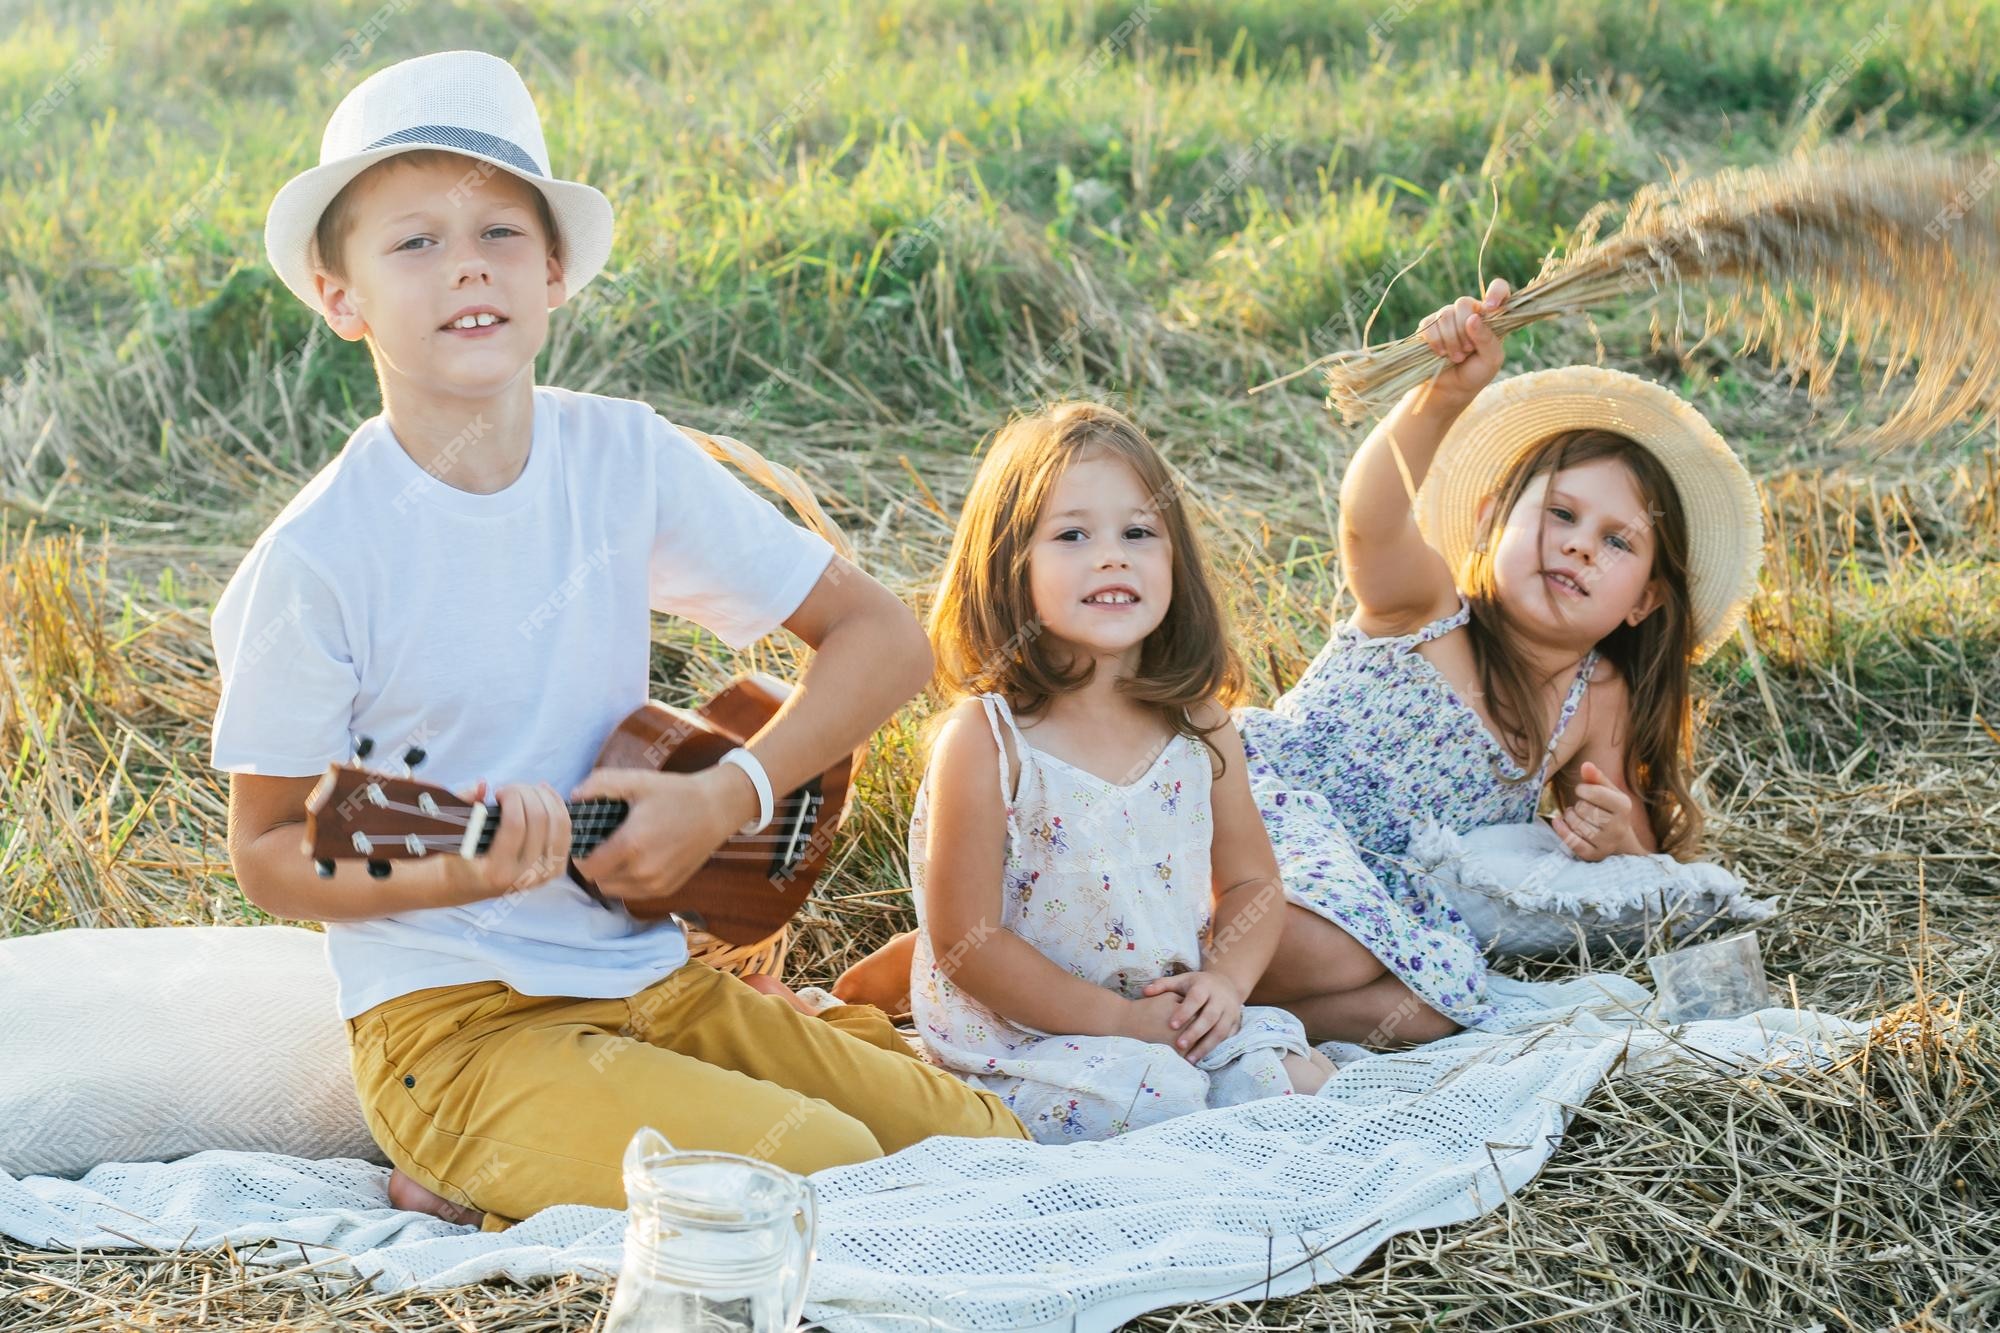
[{"x": 1266, "y": 1198}]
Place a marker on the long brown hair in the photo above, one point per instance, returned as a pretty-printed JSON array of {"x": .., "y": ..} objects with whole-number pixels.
[
  {"x": 983, "y": 623},
  {"x": 1652, "y": 656}
]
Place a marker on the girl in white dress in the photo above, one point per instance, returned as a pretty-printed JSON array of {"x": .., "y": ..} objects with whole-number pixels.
[{"x": 1095, "y": 892}]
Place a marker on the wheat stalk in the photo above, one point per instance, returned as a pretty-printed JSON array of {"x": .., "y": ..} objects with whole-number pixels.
[
  {"x": 787, "y": 484},
  {"x": 1900, "y": 246},
  {"x": 768, "y": 954}
]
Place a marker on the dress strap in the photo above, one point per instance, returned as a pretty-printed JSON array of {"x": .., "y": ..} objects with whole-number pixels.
[
  {"x": 1444, "y": 624},
  {"x": 1351, "y": 637},
  {"x": 997, "y": 712},
  {"x": 1585, "y": 669}
]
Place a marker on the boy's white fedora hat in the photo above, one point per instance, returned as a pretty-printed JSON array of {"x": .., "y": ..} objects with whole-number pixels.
[
  {"x": 1511, "y": 416},
  {"x": 466, "y": 102}
]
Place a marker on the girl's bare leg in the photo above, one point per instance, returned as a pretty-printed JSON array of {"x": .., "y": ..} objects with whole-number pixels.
[
  {"x": 1340, "y": 991},
  {"x": 407, "y": 1194},
  {"x": 1384, "y": 1013},
  {"x": 882, "y": 978},
  {"x": 1309, "y": 1072},
  {"x": 1314, "y": 957},
  {"x": 770, "y": 985}
]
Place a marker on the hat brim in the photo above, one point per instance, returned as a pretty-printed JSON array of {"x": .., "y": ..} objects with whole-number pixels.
[
  {"x": 582, "y": 215},
  {"x": 1511, "y": 416}
]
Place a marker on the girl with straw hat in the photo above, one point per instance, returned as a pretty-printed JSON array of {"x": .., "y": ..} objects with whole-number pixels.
[{"x": 1537, "y": 564}]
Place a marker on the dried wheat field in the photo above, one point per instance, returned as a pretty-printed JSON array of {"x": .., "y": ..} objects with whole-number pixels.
[{"x": 855, "y": 239}]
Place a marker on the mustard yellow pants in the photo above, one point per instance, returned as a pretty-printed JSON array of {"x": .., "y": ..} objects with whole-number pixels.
[{"x": 509, "y": 1103}]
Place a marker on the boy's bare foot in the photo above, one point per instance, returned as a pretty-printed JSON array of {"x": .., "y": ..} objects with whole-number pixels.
[
  {"x": 407, "y": 1194},
  {"x": 882, "y": 978},
  {"x": 1309, "y": 1072},
  {"x": 770, "y": 985}
]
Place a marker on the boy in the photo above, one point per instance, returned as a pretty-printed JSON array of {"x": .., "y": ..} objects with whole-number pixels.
[{"x": 471, "y": 576}]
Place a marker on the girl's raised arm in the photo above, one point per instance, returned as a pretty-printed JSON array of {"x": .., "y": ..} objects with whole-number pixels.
[
  {"x": 964, "y": 862},
  {"x": 1398, "y": 579}
]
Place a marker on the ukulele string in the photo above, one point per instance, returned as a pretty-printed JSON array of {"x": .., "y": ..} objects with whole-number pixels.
[
  {"x": 605, "y": 821},
  {"x": 433, "y": 841},
  {"x": 602, "y": 820}
]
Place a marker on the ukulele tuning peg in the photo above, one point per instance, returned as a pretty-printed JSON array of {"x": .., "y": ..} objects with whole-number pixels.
[
  {"x": 413, "y": 756},
  {"x": 361, "y": 750},
  {"x": 378, "y": 870},
  {"x": 324, "y": 867}
]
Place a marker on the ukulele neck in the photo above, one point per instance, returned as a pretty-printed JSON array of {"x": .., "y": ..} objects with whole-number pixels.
[{"x": 590, "y": 823}]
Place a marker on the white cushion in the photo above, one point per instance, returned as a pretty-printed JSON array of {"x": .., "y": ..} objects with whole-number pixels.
[
  {"x": 1525, "y": 896},
  {"x": 144, "y": 1045}
]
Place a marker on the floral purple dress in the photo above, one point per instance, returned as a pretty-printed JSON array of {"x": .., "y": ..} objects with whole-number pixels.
[{"x": 1368, "y": 743}]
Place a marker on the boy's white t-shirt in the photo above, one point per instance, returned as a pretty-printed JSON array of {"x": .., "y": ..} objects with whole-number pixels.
[{"x": 506, "y": 634}]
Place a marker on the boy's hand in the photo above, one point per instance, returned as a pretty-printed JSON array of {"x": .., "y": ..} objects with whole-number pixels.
[
  {"x": 529, "y": 848},
  {"x": 1599, "y": 824},
  {"x": 675, "y": 822},
  {"x": 1211, "y": 1010},
  {"x": 1459, "y": 333}
]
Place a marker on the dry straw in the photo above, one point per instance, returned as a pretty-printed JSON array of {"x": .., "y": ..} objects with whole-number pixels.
[
  {"x": 767, "y": 955},
  {"x": 1857, "y": 1197},
  {"x": 1899, "y": 247}
]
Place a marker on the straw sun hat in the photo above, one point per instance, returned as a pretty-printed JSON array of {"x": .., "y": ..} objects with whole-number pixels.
[
  {"x": 465, "y": 102},
  {"x": 1511, "y": 416}
]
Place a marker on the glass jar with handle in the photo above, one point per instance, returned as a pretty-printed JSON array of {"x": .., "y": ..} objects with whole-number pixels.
[{"x": 714, "y": 1242}]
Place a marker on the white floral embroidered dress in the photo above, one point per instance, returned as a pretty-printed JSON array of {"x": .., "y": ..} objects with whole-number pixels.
[{"x": 1111, "y": 882}]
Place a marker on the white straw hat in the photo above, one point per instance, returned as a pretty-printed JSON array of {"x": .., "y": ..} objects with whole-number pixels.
[
  {"x": 1513, "y": 415},
  {"x": 465, "y": 102}
]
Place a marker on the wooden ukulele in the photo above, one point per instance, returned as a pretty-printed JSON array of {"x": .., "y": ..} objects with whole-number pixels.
[{"x": 743, "y": 894}]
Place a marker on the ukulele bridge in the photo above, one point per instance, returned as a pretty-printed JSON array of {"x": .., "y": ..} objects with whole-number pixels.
[{"x": 798, "y": 831}]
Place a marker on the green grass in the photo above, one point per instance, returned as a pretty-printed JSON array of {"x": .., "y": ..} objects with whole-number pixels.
[{"x": 1354, "y": 154}]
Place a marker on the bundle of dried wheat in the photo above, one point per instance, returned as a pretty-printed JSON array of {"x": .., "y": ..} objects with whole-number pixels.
[{"x": 1899, "y": 246}]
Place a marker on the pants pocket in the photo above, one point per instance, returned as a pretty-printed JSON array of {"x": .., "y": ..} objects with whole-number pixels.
[{"x": 419, "y": 1051}]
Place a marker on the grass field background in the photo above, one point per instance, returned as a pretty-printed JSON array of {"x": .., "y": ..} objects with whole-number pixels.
[{"x": 856, "y": 236}]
